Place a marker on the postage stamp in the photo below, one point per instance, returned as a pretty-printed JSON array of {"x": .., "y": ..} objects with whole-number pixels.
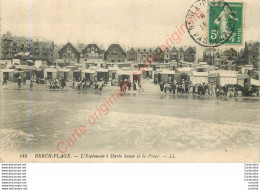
[
  {"x": 225, "y": 21},
  {"x": 219, "y": 22}
]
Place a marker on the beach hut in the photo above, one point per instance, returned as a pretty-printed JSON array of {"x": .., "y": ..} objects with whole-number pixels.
[
  {"x": 132, "y": 75},
  {"x": 255, "y": 82},
  {"x": 102, "y": 74},
  {"x": 51, "y": 73},
  {"x": 137, "y": 76},
  {"x": 199, "y": 77},
  {"x": 89, "y": 74},
  {"x": 147, "y": 72},
  {"x": 173, "y": 66},
  {"x": 226, "y": 77},
  {"x": 183, "y": 73},
  {"x": 66, "y": 73},
  {"x": 243, "y": 79},
  {"x": 16, "y": 73},
  {"x": 112, "y": 73},
  {"x": 124, "y": 74},
  {"x": 7, "y": 73},
  {"x": 213, "y": 76},
  {"x": 167, "y": 75},
  {"x": 76, "y": 74}
]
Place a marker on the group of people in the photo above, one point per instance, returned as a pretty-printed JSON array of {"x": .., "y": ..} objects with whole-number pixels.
[
  {"x": 86, "y": 83},
  {"x": 211, "y": 89},
  {"x": 56, "y": 83},
  {"x": 19, "y": 81},
  {"x": 127, "y": 85}
]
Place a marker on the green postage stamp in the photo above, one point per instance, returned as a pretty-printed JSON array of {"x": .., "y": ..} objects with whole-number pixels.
[{"x": 225, "y": 23}]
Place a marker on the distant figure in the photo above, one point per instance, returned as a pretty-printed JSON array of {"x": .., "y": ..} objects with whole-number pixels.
[
  {"x": 161, "y": 86},
  {"x": 135, "y": 85},
  {"x": 4, "y": 80},
  {"x": 31, "y": 83},
  {"x": 19, "y": 81}
]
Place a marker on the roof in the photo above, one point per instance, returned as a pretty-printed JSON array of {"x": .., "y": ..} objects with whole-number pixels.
[
  {"x": 117, "y": 46},
  {"x": 224, "y": 58},
  {"x": 242, "y": 76},
  {"x": 69, "y": 44},
  {"x": 95, "y": 46}
]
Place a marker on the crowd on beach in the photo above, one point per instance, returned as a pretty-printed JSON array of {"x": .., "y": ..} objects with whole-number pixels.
[
  {"x": 127, "y": 85},
  {"x": 181, "y": 87},
  {"x": 211, "y": 89},
  {"x": 55, "y": 83}
]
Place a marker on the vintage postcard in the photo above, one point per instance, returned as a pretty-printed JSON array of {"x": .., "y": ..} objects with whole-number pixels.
[{"x": 130, "y": 81}]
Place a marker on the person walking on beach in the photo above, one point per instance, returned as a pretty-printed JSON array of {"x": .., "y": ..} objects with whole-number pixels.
[
  {"x": 31, "y": 83},
  {"x": 4, "y": 80},
  {"x": 173, "y": 88},
  {"x": 19, "y": 81},
  {"x": 161, "y": 86},
  {"x": 121, "y": 85},
  {"x": 134, "y": 85}
]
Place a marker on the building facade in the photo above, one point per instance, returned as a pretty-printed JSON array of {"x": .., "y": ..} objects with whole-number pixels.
[
  {"x": 115, "y": 54},
  {"x": 25, "y": 49},
  {"x": 131, "y": 55},
  {"x": 69, "y": 53},
  {"x": 93, "y": 52}
]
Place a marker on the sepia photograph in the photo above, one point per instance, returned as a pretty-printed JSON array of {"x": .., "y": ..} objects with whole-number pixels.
[{"x": 151, "y": 81}]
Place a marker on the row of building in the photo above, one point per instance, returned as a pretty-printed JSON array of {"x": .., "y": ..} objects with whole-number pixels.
[
  {"x": 249, "y": 55},
  {"x": 116, "y": 72},
  {"x": 34, "y": 49}
]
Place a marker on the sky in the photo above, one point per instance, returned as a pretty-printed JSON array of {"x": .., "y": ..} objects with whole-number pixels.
[{"x": 130, "y": 23}]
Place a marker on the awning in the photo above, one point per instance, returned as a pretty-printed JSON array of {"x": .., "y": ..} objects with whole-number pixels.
[
  {"x": 169, "y": 72},
  {"x": 227, "y": 73},
  {"x": 88, "y": 71},
  {"x": 113, "y": 68},
  {"x": 102, "y": 70},
  {"x": 7, "y": 70},
  {"x": 185, "y": 69},
  {"x": 200, "y": 74},
  {"x": 123, "y": 72},
  {"x": 53, "y": 70},
  {"x": 64, "y": 70}
]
